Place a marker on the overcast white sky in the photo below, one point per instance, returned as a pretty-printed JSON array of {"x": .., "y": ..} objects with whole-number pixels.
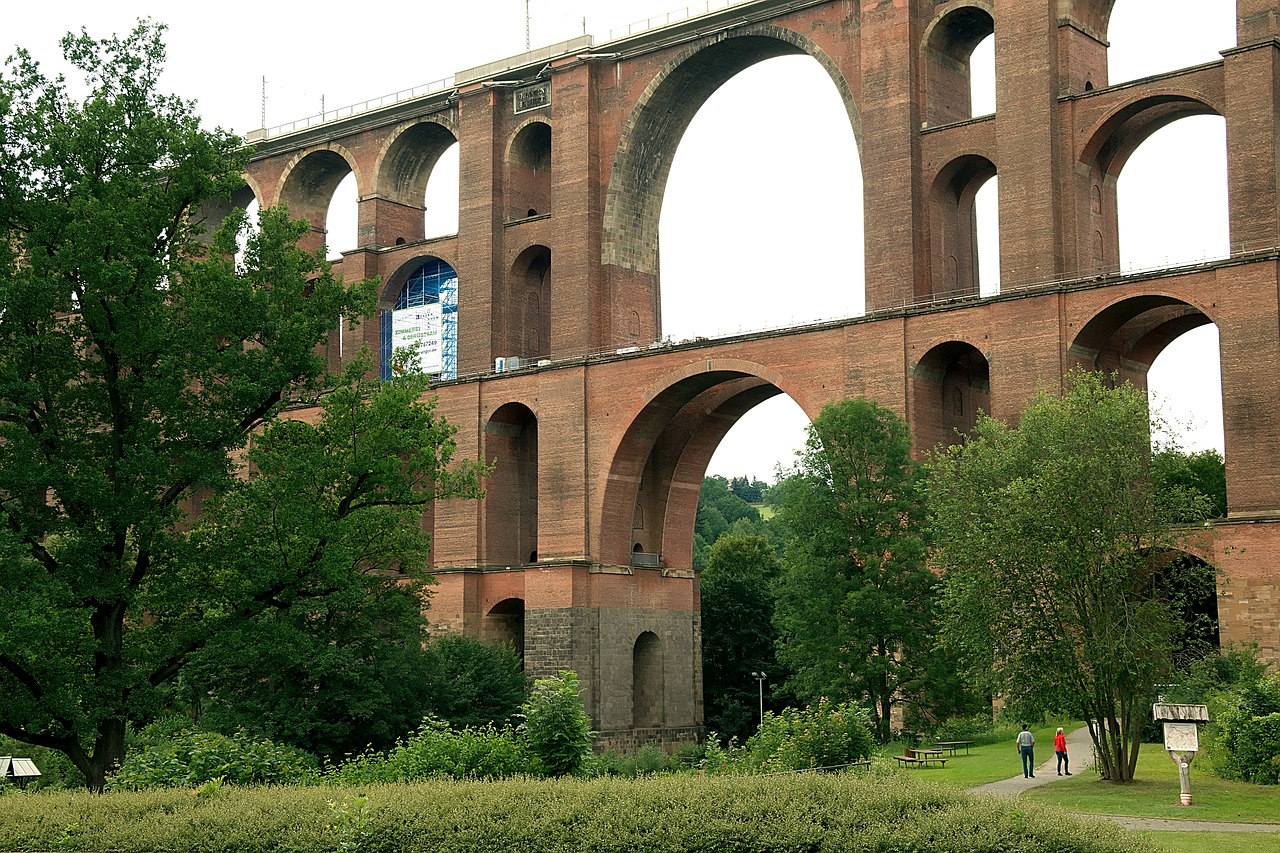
[{"x": 738, "y": 182}]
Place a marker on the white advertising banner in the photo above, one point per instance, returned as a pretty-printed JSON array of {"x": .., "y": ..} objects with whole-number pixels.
[{"x": 420, "y": 330}]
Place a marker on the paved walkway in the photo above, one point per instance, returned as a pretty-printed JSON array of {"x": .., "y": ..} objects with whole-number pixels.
[{"x": 1080, "y": 750}]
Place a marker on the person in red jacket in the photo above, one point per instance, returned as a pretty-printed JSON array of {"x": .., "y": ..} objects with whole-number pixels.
[{"x": 1060, "y": 747}]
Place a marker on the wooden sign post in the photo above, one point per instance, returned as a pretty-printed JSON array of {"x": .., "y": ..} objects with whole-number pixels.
[{"x": 1181, "y": 738}]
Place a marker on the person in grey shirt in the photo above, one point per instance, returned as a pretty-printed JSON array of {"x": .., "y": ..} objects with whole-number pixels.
[{"x": 1027, "y": 749}]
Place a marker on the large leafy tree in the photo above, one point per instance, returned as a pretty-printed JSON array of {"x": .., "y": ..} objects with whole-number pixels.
[
  {"x": 1053, "y": 537},
  {"x": 855, "y": 600},
  {"x": 738, "y": 636},
  {"x": 135, "y": 363},
  {"x": 323, "y": 546}
]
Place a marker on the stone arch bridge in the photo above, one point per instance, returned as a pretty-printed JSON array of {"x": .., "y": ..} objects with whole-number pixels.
[{"x": 555, "y": 363}]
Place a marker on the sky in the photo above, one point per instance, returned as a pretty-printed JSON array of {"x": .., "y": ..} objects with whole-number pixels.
[{"x": 737, "y": 183}]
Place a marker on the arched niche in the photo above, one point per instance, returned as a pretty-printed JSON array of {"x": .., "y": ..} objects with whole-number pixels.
[
  {"x": 522, "y": 308},
  {"x": 528, "y": 187},
  {"x": 647, "y": 695},
  {"x": 949, "y": 386},
  {"x": 511, "y": 490},
  {"x": 949, "y": 42},
  {"x": 504, "y": 625}
]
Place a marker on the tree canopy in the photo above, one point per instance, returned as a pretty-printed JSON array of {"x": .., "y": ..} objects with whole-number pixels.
[
  {"x": 137, "y": 359},
  {"x": 854, "y": 599},
  {"x": 1053, "y": 537}
]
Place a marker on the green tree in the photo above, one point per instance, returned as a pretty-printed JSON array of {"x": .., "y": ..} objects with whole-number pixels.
[
  {"x": 1052, "y": 537},
  {"x": 324, "y": 540},
  {"x": 718, "y": 510},
  {"x": 135, "y": 363},
  {"x": 855, "y": 600},
  {"x": 750, "y": 490},
  {"x": 1204, "y": 471},
  {"x": 738, "y": 636}
]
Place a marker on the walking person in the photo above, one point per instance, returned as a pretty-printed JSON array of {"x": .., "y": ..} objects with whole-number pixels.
[
  {"x": 1060, "y": 748},
  {"x": 1027, "y": 749}
]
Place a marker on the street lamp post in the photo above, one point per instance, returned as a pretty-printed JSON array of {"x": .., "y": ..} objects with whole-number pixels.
[{"x": 760, "y": 677}]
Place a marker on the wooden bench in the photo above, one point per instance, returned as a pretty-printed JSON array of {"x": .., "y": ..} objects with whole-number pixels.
[{"x": 907, "y": 760}]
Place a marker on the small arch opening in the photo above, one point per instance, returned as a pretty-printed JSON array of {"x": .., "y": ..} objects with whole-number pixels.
[
  {"x": 950, "y": 385},
  {"x": 959, "y": 66},
  {"x": 529, "y": 171},
  {"x": 424, "y": 320}
]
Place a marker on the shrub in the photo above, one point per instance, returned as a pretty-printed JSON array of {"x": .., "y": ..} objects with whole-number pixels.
[
  {"x": 822, "y": 735},
  {"x": 191, "y": 758},
  {"x": 556, "y": 726},
  {"x": 472, "y": 683},
  {"x": 645, "y": 761},
  {"x": 1244, "y": 732},
  {"x": 821, "y": 813},
  {"x": 434, "y": 751},
  {"x": 979, "y": 728}
]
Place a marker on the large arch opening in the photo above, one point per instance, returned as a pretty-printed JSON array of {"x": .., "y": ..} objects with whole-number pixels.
[
  {"x": 511, "y": 491},
  {"x": 735, "y": 184},
  {"x": 1168, "y": 347},
  {"x": 647, "y": 700},
  {"x": 321, "y": 188},
  {"x": 1110, "y": 156},
  {"x": 1171, "y": 196},
  {"x": 651, "y": 491},
  {"x": 440, "y": 217},
  {"x": 742, "y": 201}
]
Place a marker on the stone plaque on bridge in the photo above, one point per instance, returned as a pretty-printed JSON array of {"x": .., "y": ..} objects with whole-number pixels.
[{"x": 533, "y": 97}]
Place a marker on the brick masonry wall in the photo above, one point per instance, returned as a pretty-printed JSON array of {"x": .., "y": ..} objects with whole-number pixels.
[{"x": 622, "y": 440}]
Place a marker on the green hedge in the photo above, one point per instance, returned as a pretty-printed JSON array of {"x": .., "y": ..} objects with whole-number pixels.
[{"x": 799, "y": 812}]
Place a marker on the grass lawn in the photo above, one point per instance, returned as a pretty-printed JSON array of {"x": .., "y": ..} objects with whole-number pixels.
[
  {"x": 1198, "y": 842},
  {"x": 988, "y": 763},
  {"x": 1155, "y": 794}
]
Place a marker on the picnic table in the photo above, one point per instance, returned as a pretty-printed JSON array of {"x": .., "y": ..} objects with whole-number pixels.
[
  {"x": 952, "y": 745},
  {"x": 921, "y": 757}
]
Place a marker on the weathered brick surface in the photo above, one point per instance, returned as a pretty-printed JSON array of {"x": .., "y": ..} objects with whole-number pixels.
[{"x": 601, "y": 453}]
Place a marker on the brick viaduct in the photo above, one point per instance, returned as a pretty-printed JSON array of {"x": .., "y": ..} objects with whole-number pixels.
[{"x": 580, "y": 554}]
